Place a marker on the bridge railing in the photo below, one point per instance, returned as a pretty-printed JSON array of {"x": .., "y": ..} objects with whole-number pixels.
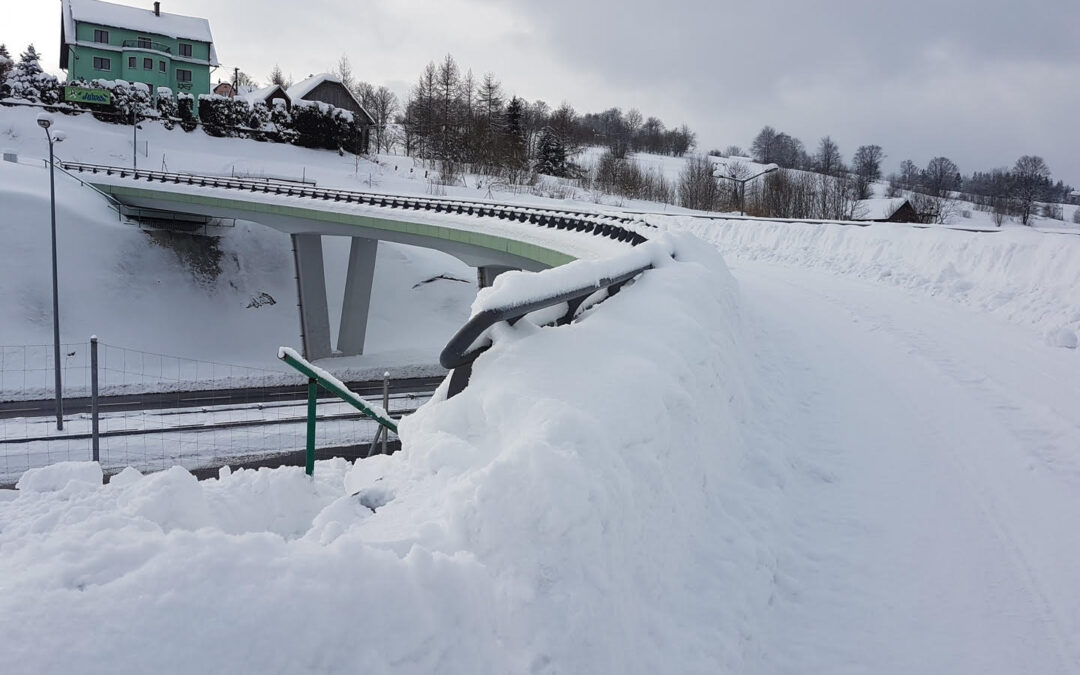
[
  {"x": 618, "y": 228},
  {"x": 558, "y": 306}
]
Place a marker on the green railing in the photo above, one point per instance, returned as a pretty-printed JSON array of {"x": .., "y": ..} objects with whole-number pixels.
[{"x": 318, "y": 377}]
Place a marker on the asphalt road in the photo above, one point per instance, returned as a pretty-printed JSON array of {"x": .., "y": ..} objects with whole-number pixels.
[{"x": 216, "y": 397}]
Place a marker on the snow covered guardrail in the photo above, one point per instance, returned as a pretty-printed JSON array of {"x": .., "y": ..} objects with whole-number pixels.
[
  {"x": 318, "y": 377},
  {"x": 619, "y": 228},
  {"x": 552, "y": 297}
]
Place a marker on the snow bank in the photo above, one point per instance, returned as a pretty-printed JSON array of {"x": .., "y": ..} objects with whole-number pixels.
[
  {"x": 1030, "y": 278},
  {"x": 586, "y": 505}
]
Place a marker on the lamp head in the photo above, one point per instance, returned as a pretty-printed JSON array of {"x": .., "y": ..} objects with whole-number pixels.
[{"x": 44, "y": 121}]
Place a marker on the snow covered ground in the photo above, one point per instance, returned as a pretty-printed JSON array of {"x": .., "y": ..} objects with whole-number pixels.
[{"x": 856, "y": 452}]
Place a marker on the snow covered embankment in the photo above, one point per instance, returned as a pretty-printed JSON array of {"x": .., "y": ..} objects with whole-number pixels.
[
  {"x": 1030, "y": 278},
  {"x": 586, "y": 505}
]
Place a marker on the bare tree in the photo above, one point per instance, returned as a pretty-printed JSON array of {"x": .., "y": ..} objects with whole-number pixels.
[
  {"x": 867, "y": 167},
  {"x": 827, "y": 160},
  {"x": 344, "y": 71},
  {"x": 382, "y": 107},
  {"x": 1030, "y": 177},
  {"x": 698, "y": 188},
  {"x": 277, "y": 77}
]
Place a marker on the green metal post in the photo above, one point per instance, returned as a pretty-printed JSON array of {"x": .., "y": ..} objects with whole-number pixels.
[{"x": 312, "y": 399}]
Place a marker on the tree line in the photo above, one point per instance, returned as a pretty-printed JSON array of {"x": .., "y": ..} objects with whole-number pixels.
[
  {"x": 455, "y": 120},
  {"x": 820, "y": 184}
]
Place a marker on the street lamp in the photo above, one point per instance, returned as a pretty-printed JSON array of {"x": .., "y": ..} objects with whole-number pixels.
[
  {"x": 742, "y": 184},
  {"x": 135, "y": 140},
  {"x": 44, "y": 121}
]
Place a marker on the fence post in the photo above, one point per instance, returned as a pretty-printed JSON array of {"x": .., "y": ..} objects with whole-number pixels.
[
  {"x": 95, "y": 438},
  {"x": 312, "y": 399},
  {"x": 386, "y": 406}
]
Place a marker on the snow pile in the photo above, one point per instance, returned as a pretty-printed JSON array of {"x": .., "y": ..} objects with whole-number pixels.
[
  {"x": 1031, "y": 278},
  {"x": 586, "y": 505}
]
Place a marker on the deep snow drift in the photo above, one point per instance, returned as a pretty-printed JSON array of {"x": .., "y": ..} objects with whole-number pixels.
[{"x": 571, "y": 511}]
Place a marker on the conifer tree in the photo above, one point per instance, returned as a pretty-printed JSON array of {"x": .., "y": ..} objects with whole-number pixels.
[
  {"x": 551, "y": 154},
  {"x": 5, "y": 63}
]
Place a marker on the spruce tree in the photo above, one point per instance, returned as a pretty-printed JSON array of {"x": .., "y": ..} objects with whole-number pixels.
[
  {"x": 551, "y": 154},
  {"x": 5, "y": 63},
  {"x": 30, "y": 62}
]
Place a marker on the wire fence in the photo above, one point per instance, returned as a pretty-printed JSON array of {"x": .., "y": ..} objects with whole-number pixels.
[{"x": 158, "y": 411}]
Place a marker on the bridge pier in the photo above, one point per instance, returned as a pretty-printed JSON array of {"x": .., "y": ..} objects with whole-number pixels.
[
  {"x": 312, "y": 299},
  {"x": 485, "y": 276},
  {"x": 357, "y": 303}
]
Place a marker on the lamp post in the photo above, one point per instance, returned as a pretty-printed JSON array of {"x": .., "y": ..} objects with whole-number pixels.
[
  {"x": 135, "y": 140},
  {"x": 742, "y": 184},
  {"x": 45, "y": 121}
]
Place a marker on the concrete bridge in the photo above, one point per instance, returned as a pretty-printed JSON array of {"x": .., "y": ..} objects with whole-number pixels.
[{"x": 490, "y": 237}]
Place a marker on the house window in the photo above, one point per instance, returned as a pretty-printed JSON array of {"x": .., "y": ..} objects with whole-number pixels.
[
  {"x": 131, "y": 62},
  {"x": 101, "y": 36},
  {"x": 145, "y": 43},
  {"x": 102, "y": 63},
  {"x": 183, "y": 75},
  {"x": 161, "y": 66},
  {"x": 185, "y": 50}
]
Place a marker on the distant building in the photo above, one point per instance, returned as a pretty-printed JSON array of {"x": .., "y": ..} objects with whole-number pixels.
[
  {"x": 102, "y": 40},
  {"x": 224, "y": 89},
  {"x": 1074, "y": 197},
  {"x": 897, "y": 210},
  {"x": 327, "y": 88}
]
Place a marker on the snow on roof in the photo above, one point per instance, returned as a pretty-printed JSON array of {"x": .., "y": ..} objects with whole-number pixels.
[
  {"x": 877, "y": 209},
  {"x": 257, "y": 95},
  {"x": 301, "y": 89},
  {"x": 136, "y": 19}
]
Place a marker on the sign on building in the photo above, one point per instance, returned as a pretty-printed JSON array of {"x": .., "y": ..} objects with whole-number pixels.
[{"x": 92, "y": 96}]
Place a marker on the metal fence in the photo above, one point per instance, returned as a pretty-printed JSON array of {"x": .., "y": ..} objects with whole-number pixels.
[{"x": 155, "y": 411}]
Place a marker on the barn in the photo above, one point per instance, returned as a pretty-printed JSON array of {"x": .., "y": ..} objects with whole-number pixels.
[{"x": 896, "y": 210}]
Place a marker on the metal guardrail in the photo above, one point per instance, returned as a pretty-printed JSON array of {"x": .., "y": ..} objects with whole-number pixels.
[
  {"x": 610, "y": 226},
  {"x": 470, "y": 342}
]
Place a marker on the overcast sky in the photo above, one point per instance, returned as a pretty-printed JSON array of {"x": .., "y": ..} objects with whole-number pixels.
[{"x": 981, "y": 82}]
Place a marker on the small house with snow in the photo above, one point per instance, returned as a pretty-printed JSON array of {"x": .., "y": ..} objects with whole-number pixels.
[
  {"x": 327, "y": 88},
  {"x": 106, "y": 41},
  {"x": 896, "y": 210}
]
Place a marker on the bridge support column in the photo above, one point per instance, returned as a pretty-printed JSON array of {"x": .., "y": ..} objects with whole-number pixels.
[
  {"x": 485, "y": 276},
  {"x": 311, "y": 295},
  {"x": 357, "y": 303}
]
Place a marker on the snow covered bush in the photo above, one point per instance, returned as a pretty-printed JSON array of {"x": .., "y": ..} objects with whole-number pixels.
[
  {"x": 222, "y": 116},
  {"x": 319, "y": 125},
  {"x": 166, "y": 107},
  {"x": 185, "y": 108},
  {"x": 281, "y": 119}
]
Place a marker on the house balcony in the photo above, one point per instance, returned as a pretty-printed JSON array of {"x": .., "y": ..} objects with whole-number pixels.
[{"x": 149, "y": 45}]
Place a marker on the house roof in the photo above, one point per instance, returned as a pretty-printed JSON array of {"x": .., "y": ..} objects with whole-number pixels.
[
  {"x": 136, "y": 19},
  {"x": 300, "y": 90},
  {"x": 877, "y": 209},
  {"x": 264, "y": 94}
]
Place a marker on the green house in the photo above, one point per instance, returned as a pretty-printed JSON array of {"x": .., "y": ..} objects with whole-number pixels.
[{"x": 106, "y": 41}]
